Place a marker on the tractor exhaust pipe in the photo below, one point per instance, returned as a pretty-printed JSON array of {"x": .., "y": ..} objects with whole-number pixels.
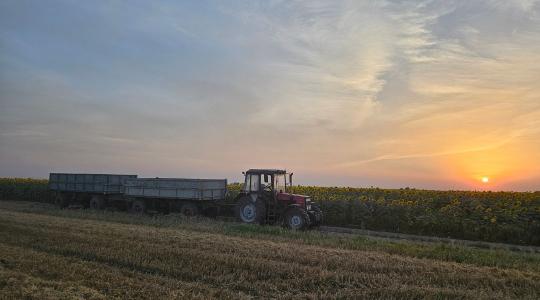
[{"x": 290, "y": 179}]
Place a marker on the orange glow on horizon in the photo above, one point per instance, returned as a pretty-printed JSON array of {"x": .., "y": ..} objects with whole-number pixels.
[{"x": 477, "y": 169}]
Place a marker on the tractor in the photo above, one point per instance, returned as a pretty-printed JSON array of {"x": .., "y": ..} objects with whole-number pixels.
[{"x": 266, "y": 198}]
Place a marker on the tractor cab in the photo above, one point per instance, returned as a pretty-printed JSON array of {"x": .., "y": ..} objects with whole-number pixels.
[
  {"x": 266, "y": 198},
  {"x": 261, "y": 181}
]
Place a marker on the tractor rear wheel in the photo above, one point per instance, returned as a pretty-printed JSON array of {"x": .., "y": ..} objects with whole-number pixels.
[
  {"x": 96, "y": 202},
  {"x": 189, "y": 209},
  {"x": 250, "y": 212},
  {"x": 297, "y": 219},
  {"x": 138, "y": 207}
]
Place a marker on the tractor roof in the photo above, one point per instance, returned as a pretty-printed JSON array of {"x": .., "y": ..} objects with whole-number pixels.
[{"x": 266, "y": 171}]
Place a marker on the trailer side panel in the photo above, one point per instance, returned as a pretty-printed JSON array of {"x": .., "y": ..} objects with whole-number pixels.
[
  {"x": 88, "y": 183},
  {"x": 177, "y": 188}
]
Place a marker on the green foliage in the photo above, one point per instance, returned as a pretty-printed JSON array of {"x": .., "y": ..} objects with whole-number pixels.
[
  {"x": 233, "y": 190},
  {"x": 508, "y": 217},
  {"x": 26, "y": 189}
]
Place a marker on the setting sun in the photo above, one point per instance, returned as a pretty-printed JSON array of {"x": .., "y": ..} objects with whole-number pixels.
[{"x": 485, "y": 179}]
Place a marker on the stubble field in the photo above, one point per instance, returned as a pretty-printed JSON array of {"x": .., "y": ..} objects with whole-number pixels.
[{"x": 51, "y": 254}]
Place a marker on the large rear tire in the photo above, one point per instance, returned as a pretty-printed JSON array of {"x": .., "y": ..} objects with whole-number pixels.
[
  {"x": 250, "y": 212},
  {"x": 297, "y": 219}
]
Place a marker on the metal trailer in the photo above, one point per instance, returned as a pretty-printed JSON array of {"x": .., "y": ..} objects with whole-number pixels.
[
  {"x": 88, "y": 190},
  {"x": 188, "y": 196}
]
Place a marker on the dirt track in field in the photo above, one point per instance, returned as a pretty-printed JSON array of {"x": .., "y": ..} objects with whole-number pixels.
[{"x": 428, "y": 239}]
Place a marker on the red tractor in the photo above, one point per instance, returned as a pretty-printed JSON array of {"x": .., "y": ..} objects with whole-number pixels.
[{"x": 266, "y": 199}]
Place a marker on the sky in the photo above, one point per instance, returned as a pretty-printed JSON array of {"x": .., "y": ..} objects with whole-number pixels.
[{"x": 424, "y": 94}]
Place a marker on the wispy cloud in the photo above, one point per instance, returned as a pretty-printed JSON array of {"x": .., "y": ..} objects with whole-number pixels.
[
  {"x": 331, "y": 59},
  {"x": 495, "y": 145}
]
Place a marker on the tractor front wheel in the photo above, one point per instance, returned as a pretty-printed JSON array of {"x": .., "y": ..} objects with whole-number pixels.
[
  {"x": 315, "y": 216},
  {"x": 297, "y": 219}
]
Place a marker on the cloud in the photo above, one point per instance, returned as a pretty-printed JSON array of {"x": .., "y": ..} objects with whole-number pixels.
[
  {"x": 316, "y": 86},
  {"x": 496, "y": 145},
  {"x": 330, "y": 59}
]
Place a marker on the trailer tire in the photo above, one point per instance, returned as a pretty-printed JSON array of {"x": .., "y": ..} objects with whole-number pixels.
[
  {"x": 60, "y": 201},
  {"x": 297, "y": 219},
  {"x": 97, "y": 202},
  {"x": 138, "y": 207},
  {"x": 189, "y": 209},
  {"x": 250, "y": 212},
  {"x": 211, "y": 212}
]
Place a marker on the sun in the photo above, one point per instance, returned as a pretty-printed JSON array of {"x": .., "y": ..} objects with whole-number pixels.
[{"x": 485, "y": 179}]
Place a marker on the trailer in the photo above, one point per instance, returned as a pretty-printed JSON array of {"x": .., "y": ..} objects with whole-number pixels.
[
  {"x": 88, "y": 190},
  {"x": 128, "y": 192},
  {"x": 188, "y": 196}
]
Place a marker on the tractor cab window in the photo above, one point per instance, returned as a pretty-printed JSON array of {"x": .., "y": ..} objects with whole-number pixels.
[
  {"x": 252, "y": 183},
  {"x": 279, "y": 183},
  {"x": 266, "y": 182}
]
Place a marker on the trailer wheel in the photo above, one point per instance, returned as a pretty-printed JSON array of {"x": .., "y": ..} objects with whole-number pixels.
[
  {"x": 138, "y": 207},
  {"x": 189, "y": 209},
  {"x": 297, "y": 219},
  {"x": 97, "y": 202},
  {"x": 60, "y": 200},
  {"x": 211, "y": 212},
  {"x": 250, "y": 212}
]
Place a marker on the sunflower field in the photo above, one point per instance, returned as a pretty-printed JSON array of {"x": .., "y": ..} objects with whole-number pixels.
[
  {"x": 509, "y": 217},
  {"x": 26, "y": 189}
]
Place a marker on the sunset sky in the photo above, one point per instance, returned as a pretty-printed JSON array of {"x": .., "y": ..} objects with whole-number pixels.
[{"x": 426, "y": 94}]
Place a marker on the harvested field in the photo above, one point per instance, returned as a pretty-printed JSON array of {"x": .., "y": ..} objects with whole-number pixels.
[{"x": 49, "y": 253}]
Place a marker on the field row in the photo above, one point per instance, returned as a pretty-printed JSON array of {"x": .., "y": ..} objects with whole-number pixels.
[{"x": 103, "y": 255}]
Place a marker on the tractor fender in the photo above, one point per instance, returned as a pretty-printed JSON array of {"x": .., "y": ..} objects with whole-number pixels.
[{"x": 253, "y": 197}]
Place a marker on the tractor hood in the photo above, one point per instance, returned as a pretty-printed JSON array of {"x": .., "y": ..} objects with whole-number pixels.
[{"x": 301, "y": 200}]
